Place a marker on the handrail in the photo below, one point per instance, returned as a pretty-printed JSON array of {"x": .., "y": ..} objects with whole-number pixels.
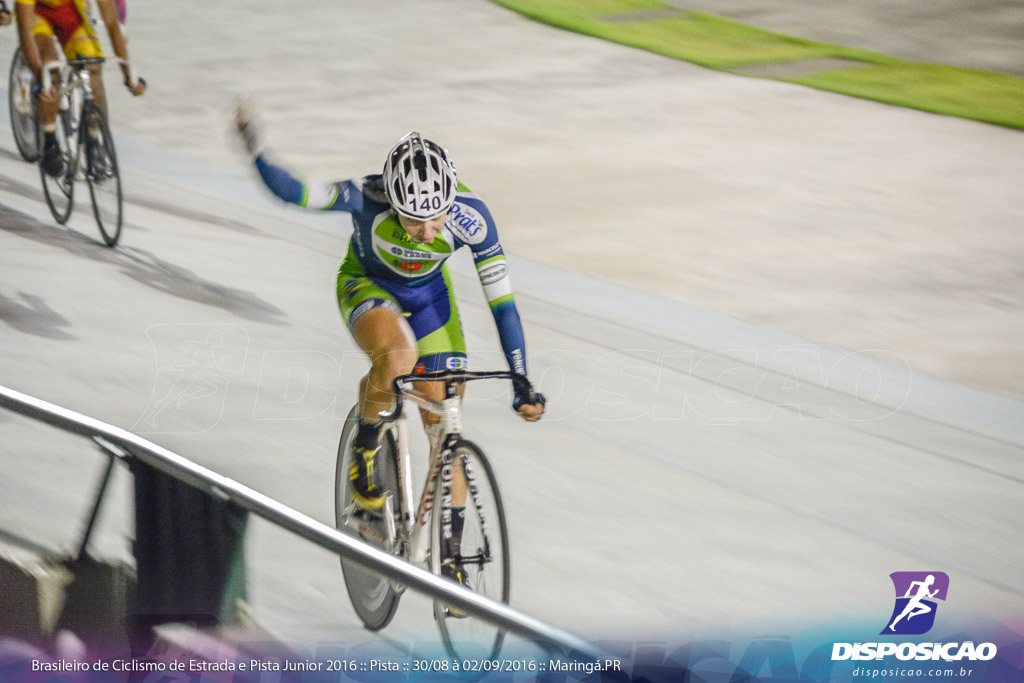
[{"x": 326, "y": 537}]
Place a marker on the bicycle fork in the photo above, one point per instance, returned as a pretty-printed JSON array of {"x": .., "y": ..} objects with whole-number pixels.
[
  {"x": 419, "y": 540},
  {"x": 441, "y": 466}
]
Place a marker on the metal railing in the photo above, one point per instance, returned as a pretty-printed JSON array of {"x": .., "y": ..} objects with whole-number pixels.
[{"x": 124, "y": 444}]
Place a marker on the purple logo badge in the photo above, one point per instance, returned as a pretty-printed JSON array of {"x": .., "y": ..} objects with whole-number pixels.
[{"x": 916, "y": 593}]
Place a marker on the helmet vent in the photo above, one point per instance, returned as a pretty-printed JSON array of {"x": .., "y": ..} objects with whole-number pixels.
[{"x": 419, "y": 178}]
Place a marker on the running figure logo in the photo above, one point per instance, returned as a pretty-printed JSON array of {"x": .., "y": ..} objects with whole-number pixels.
[
  {"x": 916, "y": 592},
  {"x": 194, "y": 368}
]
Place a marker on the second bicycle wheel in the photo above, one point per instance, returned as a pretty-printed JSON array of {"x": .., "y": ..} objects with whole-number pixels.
[
  {"x": 102, "y": 174},
  {"x": 482, "y": 554},
  {"x": 23, "y": 113},
  {"x": 373, "y": 596}
]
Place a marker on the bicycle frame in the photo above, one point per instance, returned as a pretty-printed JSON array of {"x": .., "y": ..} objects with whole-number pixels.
[
  {"x": 414, "y": 533},
  {"x": 74, "y": 85},
  {"x": 71, "y": 75},
  {"x": 457, "y": 527},
  {"x": 441, "y": 437}
]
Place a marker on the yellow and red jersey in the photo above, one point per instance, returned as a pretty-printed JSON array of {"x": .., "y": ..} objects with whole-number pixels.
[{"x": 68, "y": 21}]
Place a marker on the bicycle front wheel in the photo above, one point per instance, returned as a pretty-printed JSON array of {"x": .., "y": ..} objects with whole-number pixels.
[
  {"x": 373, "y": 596},
  {"x": 482, "y": 553},
  {"x": 23, "y": 113},
  {"x": 102, "y": 174},
  {"x": 59, "y": 190}
]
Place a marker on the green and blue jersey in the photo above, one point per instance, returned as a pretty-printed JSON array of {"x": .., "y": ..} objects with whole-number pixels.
[{"x": 390, "y": 257}]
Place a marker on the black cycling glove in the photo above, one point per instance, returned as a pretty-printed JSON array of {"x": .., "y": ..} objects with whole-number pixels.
[{"x": 527, "y": 399}]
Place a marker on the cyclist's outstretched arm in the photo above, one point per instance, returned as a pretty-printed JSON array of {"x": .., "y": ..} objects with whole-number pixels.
[
  {"x": 109, "y": 14},
  {"x": 343, "y": 195}
]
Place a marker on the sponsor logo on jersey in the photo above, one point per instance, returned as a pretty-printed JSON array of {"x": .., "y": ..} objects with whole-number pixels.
[
  {"x": 456, "y": 363},
  {"x": 466, "y": 223},
  {"x": 402, "y": 252},
  {"x": 398, "y": 234},
  {"x": 493, "y": 272},
  {"x": 405, "y": 260},
  {"x": 518, "y": 363}
]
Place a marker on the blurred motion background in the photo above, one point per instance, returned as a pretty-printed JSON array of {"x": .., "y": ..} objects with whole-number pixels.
[{"x": 779, "y": 328}]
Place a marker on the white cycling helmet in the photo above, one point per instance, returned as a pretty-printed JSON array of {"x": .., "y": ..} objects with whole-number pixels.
[{"x": 419, "y": 178}]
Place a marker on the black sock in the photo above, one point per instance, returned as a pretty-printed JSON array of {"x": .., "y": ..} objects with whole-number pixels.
[
  {"x": 368, "y": 435},
  {"x": 458, "y": 521},
  {"x": 458, "y": 524},
  {"x": 49, "y": 139}
]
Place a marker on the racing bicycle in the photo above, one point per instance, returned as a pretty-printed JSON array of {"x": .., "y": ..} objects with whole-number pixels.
[
  {"x": 20, "y": 99},
  {"x": 83, "y": 135},
  {"x": 417, "y": 534}
]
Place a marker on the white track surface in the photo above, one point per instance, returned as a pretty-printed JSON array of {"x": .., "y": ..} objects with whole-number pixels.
[{"x": 695, "y": 472}]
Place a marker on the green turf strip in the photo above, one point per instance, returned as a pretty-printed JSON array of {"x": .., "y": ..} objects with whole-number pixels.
[{"x": 719, "y": 43}]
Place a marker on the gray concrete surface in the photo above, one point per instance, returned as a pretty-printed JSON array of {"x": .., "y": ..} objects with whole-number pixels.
[
  {"x": 981, "y": 34},
  {"x": 852, "y": 223},
  {"x": 696, "y": 472},
  {"x": 693, "y": 472}
]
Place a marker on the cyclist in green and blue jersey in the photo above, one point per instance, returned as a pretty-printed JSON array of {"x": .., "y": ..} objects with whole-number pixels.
[{"x": 393, "y": 285}]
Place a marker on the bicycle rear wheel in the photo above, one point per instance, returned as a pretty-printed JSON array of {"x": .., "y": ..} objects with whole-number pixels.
[
  {"x": 373, "y": 596},
  {"x": 102, "y": 174},
  {"x": 483, "y": 554},
  {"x": 23, "y": 112}
]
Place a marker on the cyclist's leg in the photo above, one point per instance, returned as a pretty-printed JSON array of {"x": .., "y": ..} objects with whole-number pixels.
[
  {"x": 49, "y": 107},
  {"x": 383, "y": 336},
  {"x": 98, "y": 93},
  {"x": 83, "y": 43},
  {"x": 375, "y": 319},
  {"x": 43, "y": 36}
]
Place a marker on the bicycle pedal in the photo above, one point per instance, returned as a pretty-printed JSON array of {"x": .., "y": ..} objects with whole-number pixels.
[{"x": 362, "y": 514}]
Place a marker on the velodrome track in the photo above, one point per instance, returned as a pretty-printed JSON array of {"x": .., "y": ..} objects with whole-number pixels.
[{"x": 694, "y": 474}]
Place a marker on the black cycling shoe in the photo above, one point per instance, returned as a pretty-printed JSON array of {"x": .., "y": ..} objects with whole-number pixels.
[
  {"x": 52, "y": 160},
  {"x": 363, "y": 479}
]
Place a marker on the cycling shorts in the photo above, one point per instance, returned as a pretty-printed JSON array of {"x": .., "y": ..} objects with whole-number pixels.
[
  {"x": 67, "y": 21},
  {"x": 430, "y": 310}
]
